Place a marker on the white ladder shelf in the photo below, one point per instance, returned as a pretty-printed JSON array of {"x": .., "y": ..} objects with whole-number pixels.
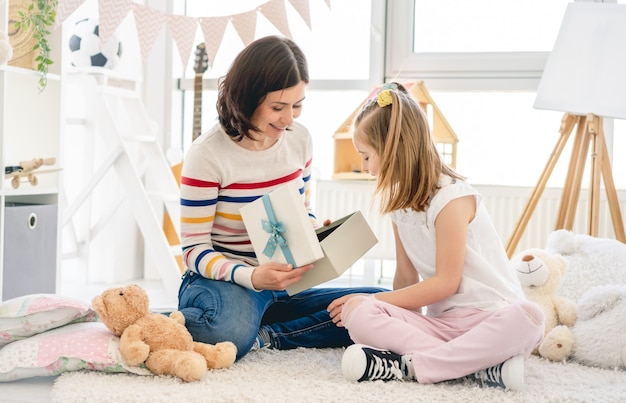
[{"x": 143, "y": 172}]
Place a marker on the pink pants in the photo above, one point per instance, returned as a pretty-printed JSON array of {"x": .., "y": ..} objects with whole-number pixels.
[{"x": 450, "y": 346}]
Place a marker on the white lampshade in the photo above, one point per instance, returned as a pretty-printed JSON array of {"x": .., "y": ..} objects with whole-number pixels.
[{"x": 586, "y": 71}]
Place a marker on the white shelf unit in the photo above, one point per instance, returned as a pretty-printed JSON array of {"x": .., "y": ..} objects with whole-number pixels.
[{"x": 30, "y": 127}]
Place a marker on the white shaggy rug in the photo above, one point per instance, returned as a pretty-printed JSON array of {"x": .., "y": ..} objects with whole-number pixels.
[{"x": 315, "y": 376}]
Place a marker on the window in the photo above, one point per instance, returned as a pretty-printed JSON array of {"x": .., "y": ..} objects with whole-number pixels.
[
  {"x": 341, "y": 66},
  {"x": 481, "y": 61},
  {"x": 478, "y": 40},
  {"x": 486, "y": 25},
  {"x": 481, "y": 72}
]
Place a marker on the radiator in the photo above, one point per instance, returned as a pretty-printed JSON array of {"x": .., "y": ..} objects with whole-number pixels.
[{"x": 336, "y": 198}]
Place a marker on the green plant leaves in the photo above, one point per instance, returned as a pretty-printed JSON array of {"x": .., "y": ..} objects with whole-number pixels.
[{"x": 37, "y": 21}]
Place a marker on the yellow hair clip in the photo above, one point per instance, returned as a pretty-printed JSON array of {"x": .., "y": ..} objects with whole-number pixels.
[{"x": 384, "y": 97}]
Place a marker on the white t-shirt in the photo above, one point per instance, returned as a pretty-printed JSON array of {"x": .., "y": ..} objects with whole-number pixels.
[{"x": 488, "y": 280}]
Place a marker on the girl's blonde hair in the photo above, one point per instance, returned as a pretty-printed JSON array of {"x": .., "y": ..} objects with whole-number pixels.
[{"x": 410, "y": 167}]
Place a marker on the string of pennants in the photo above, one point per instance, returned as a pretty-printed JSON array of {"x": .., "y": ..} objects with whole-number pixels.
[{"x": 150, "y": 21}]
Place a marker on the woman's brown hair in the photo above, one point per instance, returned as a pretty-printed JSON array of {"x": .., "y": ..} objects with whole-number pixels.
[{"x": 268, "y": 64}]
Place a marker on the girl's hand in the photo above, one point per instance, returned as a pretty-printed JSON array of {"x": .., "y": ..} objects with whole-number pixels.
[
  {"x": 335, "y": 308},
  {"x": 277, "y": 276}
]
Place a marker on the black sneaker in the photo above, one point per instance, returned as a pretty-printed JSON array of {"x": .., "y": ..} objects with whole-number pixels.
[
  {"x": 507, "y": 375},
  {"x": 362, "y": 363}
]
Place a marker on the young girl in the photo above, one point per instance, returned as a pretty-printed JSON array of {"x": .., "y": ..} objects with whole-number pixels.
[{"x": 477, "y": 319}]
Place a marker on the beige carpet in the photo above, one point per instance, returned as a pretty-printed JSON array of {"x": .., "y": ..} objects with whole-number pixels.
[{"x": 315, "y": 376}]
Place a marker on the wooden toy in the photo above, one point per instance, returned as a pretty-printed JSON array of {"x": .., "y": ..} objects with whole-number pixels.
[{"x": 26, "y": 169}]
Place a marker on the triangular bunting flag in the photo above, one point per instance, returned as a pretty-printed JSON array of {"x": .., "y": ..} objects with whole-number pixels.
[
  {"x": 302, "y": 7},
  {"x": 328, "y": 3},
  {"x": 245, "y": 25},
  {"x": 276, "y": 13},
  {"x": 111, "y": 14},
  {"x": 149, "y": 22},
  {"x": 213, "y": 30},
  {"x": 65, "y": 8},
  {"x": 183, "y": 31}
]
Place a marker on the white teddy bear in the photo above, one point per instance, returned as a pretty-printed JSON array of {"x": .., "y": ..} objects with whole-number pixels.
[
  {"x": 540, "y": 275},
  {"x": 6, "y": 51}
]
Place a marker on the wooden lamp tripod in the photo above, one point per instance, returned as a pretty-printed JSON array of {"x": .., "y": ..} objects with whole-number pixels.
[{"x": 589, "y": 132}]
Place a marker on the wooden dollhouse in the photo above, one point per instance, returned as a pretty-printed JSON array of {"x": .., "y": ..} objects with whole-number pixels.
[{"x": 347, "y": 164}]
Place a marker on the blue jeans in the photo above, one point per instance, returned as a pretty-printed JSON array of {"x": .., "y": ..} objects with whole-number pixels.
[{"x": 218, "y": 311}]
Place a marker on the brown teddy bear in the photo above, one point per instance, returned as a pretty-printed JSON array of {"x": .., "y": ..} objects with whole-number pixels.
[
  {"x": 540, "y": 274},
  {"x": 163, "y": 343}
]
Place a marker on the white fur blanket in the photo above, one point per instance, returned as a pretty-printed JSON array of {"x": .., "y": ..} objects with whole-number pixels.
[
  {"x": 592, "y": 262},
  {"x": 596, "y": 282}
]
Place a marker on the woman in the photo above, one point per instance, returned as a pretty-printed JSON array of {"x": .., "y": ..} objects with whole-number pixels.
[{"x": 256, "y": 147}]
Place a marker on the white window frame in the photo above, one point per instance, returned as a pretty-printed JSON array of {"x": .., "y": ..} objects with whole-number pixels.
[
  {"x": 508, "y": 71},
  {"x": 494, "y": 71}
]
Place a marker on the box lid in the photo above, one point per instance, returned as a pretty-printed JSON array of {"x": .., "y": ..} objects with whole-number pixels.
[{"x": 288, "y": 236}]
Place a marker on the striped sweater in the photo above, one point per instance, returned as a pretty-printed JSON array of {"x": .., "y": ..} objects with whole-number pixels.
[{"x": 218, "y": 178}]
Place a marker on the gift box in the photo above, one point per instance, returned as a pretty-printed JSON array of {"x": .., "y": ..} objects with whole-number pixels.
[
  {"x": 343, "y": 242},
  {"x": 284, "y": 230},
  {"x": 280, "y": 228}
]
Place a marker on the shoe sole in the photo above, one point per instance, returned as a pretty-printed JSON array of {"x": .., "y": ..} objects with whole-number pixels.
[
  {"x": 354, "y": 362},
  {"x": 513, "y": 372}
]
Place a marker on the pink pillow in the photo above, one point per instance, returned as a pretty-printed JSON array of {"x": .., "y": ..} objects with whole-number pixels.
[
  {"x": 28, "y": 315},
  {"x": 71, "y": 347}
]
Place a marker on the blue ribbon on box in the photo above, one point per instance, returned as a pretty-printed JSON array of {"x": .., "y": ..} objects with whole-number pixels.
[{"x": 275, "y": 228}]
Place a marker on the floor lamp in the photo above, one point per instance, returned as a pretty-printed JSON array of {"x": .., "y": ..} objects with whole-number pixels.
[{"x": 585, "y": 77}]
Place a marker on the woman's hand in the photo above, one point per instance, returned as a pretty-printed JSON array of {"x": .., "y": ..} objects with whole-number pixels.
[{"x": 277, "y": 276}]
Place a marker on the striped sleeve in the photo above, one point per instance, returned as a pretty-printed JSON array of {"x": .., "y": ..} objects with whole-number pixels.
[{"x": 198, "y": 208}]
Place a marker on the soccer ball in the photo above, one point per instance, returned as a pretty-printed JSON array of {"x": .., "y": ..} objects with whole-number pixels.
[{"x": 86, "y": 50}]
